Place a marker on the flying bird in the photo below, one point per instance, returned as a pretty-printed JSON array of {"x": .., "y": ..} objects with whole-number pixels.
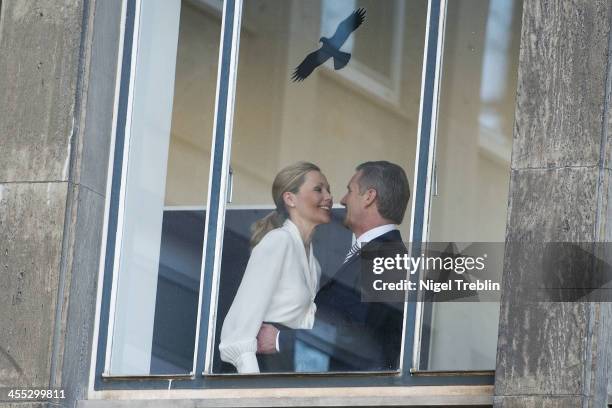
[{"x": 331, "y": 47}]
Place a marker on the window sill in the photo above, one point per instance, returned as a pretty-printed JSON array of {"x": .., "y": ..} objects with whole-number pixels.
[{"x": 364, "y": 396}]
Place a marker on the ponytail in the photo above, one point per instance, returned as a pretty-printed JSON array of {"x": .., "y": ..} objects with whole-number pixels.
[{"x": 266, "y": 224}]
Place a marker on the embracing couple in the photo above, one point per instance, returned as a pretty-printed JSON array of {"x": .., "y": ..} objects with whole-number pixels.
[{"x": 279, "y": 298}]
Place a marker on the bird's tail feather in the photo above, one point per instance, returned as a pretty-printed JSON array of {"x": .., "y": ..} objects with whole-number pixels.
[{"x": 341, "y": 59}]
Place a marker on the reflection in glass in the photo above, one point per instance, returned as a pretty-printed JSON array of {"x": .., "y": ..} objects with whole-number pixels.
[
  {"x": 473, "y": 148},
  {"x": 158, "y": 275},
  {"x": 336, "y": 119}
]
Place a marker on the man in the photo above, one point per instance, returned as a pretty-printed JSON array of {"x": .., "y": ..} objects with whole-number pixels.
[{"x": 367, "y": 336}]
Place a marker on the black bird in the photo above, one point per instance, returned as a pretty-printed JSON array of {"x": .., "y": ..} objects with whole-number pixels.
[{"x": 331, "y": 47}]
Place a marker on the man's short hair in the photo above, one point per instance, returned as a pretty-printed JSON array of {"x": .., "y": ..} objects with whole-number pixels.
[{"x": 391, "y": 185}]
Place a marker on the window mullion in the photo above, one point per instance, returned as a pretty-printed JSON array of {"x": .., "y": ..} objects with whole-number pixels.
[
  {"x": 430, "y": 86},
  {"x": 219, "y": 177}
]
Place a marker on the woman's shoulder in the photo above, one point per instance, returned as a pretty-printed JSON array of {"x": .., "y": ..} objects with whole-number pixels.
[
  {"x": 277, "y": 237},
  {"x": 276, "y": 244}
]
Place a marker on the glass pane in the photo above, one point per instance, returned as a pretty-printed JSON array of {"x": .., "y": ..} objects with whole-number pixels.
[
  {"x": 470, "y": 193},
  {"x": 158, "y": 276},
  {"x": 365, "y": 110}
]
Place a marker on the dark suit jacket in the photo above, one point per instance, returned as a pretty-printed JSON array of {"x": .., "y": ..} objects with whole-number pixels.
[{"x": 364, "y": 336}]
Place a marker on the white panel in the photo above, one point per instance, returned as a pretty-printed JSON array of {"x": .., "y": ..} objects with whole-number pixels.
[{"x": 149, "y": 138}]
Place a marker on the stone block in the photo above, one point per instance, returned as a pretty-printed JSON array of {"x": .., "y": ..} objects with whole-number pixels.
[
  {"x": 39, "y": 46},
  {"x": 557, "y": 205},
  {"x": 561, "y": 84},
  {"x": 31, "y": 230},
  {"x": 542, "y": 347}
]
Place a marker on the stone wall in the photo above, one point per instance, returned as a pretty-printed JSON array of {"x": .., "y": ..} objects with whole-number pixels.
[
  {"x": 555, "y": 354},
  {"x": 39, "y": 59},
  {"x": 57, "y": 59}
]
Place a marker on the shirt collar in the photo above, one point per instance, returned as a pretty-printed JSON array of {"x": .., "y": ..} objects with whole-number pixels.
[
  {"x": 375, "y": 233},
  {"x": 290, "y": 226}
]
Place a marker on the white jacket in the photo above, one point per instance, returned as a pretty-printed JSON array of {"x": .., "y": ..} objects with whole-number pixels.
[{"x": 279, "y": 285}]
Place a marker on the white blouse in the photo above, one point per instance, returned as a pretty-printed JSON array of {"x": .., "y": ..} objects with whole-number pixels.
[{"x": 279, "y": 285}]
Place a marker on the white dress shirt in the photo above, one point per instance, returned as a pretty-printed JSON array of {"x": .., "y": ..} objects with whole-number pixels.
[
  {"x": 375, "y": 233},
  {"x": 279, "y": 285}
]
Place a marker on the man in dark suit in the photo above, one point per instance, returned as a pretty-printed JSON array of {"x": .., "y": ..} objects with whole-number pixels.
[{"x": 366, "y": 336}]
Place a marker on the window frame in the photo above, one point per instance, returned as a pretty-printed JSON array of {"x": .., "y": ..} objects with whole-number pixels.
[{"x": 101, "y": 384}]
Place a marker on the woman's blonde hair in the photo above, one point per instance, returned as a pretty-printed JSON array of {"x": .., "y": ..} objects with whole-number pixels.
[{"x": 289, "y": 179}]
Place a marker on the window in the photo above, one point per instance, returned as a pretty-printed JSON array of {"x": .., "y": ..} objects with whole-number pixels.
[
  {"x": 319, "y": 120},
  {"x": 207, "y": 115},
  {"x": 472, "y": 172},
  {"x": 167, "y": 141}
]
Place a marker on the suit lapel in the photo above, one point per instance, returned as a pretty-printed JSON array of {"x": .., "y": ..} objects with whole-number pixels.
[{"x": 348, "y": 272}]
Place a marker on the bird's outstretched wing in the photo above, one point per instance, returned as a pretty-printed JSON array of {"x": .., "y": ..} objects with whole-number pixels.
[
  {"x": 312, "y": 60},
  {"x": 346, "y": 27}
]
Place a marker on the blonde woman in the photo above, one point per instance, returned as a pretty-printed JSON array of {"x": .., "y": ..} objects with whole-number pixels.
[{"x": 282, "y": 276}]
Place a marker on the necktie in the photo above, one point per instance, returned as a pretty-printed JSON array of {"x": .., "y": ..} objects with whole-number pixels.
[{"x": 354, "y": 249}]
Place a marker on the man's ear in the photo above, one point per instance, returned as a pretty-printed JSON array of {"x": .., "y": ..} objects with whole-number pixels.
[
  {"x": 369, "y": 197},
  {"x": 289, "y": 199}
]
